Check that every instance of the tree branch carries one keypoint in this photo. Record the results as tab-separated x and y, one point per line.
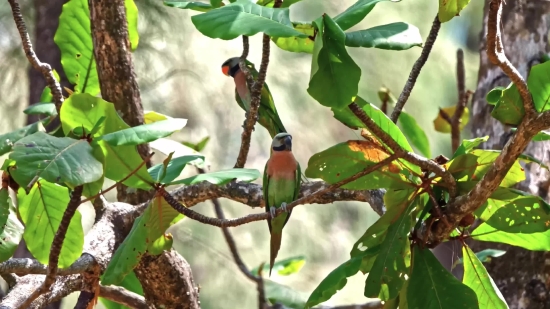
495	53
263	216
256	96
417	67
123	297
43	68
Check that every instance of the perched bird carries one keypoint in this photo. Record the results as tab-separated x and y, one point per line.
281	185
267	113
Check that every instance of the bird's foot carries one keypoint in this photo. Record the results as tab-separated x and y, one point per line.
272	212
283	207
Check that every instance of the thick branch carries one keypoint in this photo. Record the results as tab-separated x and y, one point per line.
263	216
123	297
44	68
404	96
256	95
495	53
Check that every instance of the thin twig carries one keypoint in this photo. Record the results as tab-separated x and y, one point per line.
266	215
404	96
57	244
408	156
102	192
463	97
495	53
262	301
256	94
43	68
122	296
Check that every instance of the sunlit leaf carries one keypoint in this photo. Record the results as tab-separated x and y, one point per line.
11	230
143	133
244	17
509	107
526	215
441	125
41	212
46	95
468	144
431	286
297	44
415	134
394	36
167	146
221	177
284	267
478	279
152	116
450	8
173	168
533	241
539	85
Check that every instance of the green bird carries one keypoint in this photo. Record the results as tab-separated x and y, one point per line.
281	185
267	113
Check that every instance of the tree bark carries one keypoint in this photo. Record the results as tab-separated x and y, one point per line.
166	279
521	275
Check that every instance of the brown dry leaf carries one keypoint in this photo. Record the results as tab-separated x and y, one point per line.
373	151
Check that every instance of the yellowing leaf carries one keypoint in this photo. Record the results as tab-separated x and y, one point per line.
441	125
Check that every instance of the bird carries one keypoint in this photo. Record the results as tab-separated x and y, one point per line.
281	185
267	113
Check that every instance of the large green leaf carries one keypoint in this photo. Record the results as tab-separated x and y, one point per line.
8	139
539	85
11	230
415	134
84	110
74	39
244	17
347	159
469	144
296	44
284	295
144	133
541	137
534	241
450	8
479	280
167	146
355	13
41	211
284	267
526	215
130	283
58	160
221	177
387	274
509	108
47	109
173	168
394	36
191	5
431	286
335	76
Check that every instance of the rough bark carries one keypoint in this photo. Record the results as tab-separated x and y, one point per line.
119	86
521	275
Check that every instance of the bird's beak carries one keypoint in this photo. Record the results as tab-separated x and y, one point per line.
288	142
225	70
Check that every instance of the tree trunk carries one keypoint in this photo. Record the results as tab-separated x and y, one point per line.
521	275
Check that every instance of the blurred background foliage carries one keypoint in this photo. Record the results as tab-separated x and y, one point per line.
179	73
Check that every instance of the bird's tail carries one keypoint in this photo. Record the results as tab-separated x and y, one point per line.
275	246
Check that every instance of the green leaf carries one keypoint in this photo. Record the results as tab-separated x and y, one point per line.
284	267
296	44
7	140
494	95
335	82
468	144
450	8
132	19
46	95
538	84
167	146
431	286
245	18
284	295
478	279
198	146
162	217
41	212
415	134
485	255
526	215
334	282
541	137
57	160
394	36
84	110
533	242
41	109
441	125
173	168
509	108
355	13
144	133
11	230
191	5
130	283
74	39
387	274
221	177
347	159
270	3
